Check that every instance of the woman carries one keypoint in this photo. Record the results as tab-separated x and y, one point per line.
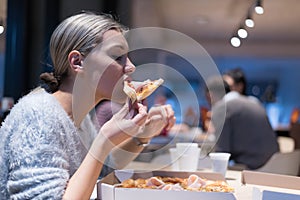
49	148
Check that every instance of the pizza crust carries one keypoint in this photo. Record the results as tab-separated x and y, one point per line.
138	91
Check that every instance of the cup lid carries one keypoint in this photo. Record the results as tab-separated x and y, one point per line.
220	155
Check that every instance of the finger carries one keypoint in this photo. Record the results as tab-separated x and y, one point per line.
164	114
171	123
159	113
135	108
142	115
154	119
170	111
170	117
156	110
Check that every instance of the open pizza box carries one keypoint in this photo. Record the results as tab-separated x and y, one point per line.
107	190
267	186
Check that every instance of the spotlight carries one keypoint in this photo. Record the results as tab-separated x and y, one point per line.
258	8
235	41
242	33
249	22
1	26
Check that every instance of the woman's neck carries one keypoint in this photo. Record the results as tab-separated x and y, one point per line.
76	98
65	100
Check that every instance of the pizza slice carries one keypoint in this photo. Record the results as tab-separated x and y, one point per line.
137	91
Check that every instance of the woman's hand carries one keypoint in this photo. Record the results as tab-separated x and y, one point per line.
159	117
119	129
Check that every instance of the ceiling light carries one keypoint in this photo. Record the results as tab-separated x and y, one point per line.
1	29
1	26
258	8
249	22
235	41
242	33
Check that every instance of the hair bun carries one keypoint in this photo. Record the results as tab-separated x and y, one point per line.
50	80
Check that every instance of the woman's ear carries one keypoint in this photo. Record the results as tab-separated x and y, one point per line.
75	59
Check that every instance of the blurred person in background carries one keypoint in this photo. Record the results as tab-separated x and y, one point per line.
49	146
246	132
104	111
294	131
237	82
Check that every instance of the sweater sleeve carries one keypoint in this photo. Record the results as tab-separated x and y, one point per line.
39	162
39	165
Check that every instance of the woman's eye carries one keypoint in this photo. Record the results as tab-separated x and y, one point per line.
120	59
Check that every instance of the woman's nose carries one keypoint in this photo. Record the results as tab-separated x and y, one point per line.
129	67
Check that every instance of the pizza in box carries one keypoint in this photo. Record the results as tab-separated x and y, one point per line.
191	183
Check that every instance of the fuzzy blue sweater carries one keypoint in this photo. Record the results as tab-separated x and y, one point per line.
40	148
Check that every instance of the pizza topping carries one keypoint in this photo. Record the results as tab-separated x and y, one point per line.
137	91
192	183
175	187
155	181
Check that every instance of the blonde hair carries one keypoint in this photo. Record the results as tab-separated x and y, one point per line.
81	32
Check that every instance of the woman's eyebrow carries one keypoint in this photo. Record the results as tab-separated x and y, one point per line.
123	48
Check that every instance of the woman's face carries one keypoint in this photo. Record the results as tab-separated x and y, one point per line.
108	66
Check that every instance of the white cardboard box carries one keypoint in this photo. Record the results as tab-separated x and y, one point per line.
108	191
267	186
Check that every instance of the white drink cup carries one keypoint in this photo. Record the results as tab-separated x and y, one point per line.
174	159
188	154
219	162
189	161
183	148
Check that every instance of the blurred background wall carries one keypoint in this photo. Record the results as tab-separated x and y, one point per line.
270	56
